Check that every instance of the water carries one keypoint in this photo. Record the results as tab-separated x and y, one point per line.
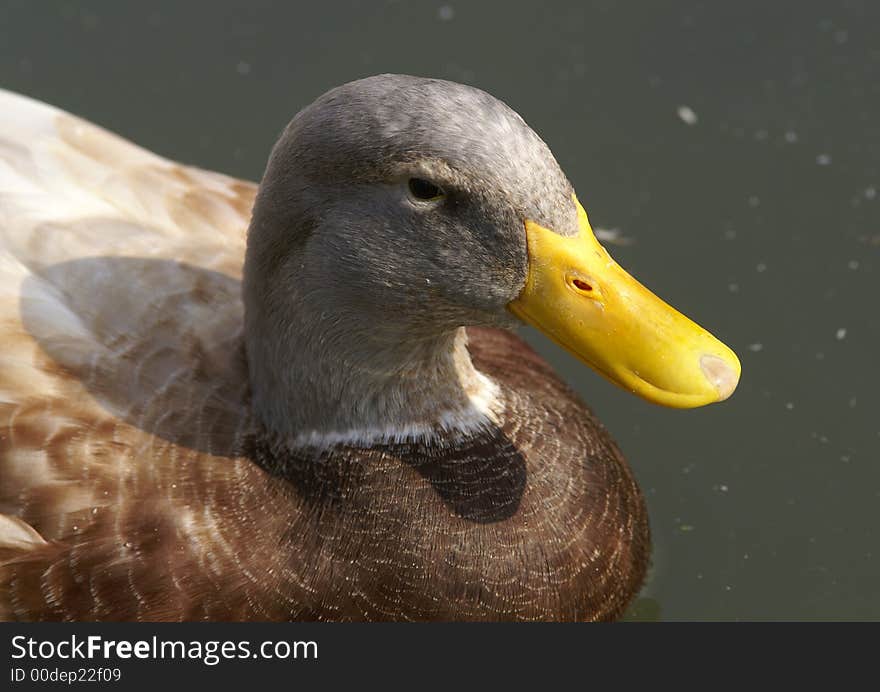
737	144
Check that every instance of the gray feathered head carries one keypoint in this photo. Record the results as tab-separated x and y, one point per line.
398	208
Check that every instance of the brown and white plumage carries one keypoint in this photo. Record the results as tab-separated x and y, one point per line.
136	484
111	259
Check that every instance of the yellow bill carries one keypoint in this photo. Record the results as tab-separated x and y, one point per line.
582	299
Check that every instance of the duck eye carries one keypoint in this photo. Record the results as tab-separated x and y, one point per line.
425	190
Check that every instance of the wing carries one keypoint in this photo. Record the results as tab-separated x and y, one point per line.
120	323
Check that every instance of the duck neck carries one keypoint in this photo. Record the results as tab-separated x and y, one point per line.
368	384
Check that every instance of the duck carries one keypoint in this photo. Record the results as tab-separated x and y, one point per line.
305	399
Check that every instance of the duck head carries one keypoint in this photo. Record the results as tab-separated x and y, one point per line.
394	211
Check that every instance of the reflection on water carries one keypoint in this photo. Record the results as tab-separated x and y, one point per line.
736	145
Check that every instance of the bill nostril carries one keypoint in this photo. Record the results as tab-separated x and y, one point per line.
581	284
721	374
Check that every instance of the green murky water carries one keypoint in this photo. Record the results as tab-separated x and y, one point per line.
736	143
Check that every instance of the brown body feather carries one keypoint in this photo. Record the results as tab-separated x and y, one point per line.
541	520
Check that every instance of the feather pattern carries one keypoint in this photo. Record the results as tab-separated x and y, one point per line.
134	484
